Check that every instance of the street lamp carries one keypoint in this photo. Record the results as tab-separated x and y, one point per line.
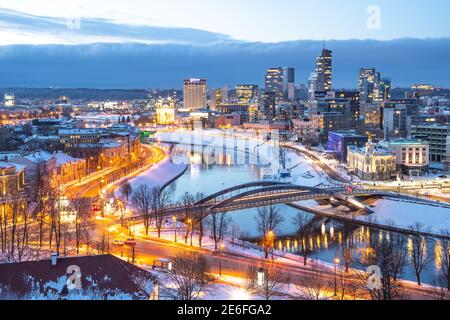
270	241
190	228
174	219
337	261
260	277
221	249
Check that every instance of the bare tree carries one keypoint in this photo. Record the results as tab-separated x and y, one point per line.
440	284
304	234
346	246
444	259
160	201
142	201
218	223
188	277
126	190
268	281
42	192
315	284
380	251
54	214
14	225
417	250
199	218
82	209
268	219
188	201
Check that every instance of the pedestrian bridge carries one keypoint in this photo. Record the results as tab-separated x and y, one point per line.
266	193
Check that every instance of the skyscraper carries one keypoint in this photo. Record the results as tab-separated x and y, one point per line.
372	87
245	93
289	83
194	92
324	71
274	82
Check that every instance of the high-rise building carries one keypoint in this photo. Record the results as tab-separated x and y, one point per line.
383	90
274	82
270	104
367	80
312	86
372	87
245	93
289	83
194	92
324	71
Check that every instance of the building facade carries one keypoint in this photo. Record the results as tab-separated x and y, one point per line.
412	156
437	136
372	162
194	93
324	71
274	83
338	143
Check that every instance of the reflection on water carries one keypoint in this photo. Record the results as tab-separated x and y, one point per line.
207	176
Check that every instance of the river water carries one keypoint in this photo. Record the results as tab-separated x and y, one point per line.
209	173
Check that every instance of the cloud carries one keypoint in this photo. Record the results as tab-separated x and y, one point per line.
130	65
22	28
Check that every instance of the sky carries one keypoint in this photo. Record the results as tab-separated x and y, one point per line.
245	20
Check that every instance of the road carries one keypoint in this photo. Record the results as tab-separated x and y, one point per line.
91	187
148	250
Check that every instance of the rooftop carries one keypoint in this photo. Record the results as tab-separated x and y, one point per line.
102	277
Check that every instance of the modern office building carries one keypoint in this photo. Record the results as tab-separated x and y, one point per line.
353	96
274	83
334	113
437	136
270	104
194	92
245	93
338	142
289	83
324	71
372	86
398	117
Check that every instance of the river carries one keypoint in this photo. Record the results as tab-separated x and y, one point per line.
209	173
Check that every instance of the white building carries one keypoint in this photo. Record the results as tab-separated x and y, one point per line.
413	156
10	100
372	162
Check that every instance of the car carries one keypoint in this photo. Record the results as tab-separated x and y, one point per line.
117	242
130	242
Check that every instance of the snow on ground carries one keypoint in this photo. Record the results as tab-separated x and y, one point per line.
405	214
159	175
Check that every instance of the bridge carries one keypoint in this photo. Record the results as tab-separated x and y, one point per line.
267	193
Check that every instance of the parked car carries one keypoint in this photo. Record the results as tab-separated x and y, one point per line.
117	242
130	242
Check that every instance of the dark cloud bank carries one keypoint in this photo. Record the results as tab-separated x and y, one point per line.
406	61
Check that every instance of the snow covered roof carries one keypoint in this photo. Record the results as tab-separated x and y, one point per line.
6	165
39	157
102	277
62	158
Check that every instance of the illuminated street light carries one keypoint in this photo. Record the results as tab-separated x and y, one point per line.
260	277
337	261
174	219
